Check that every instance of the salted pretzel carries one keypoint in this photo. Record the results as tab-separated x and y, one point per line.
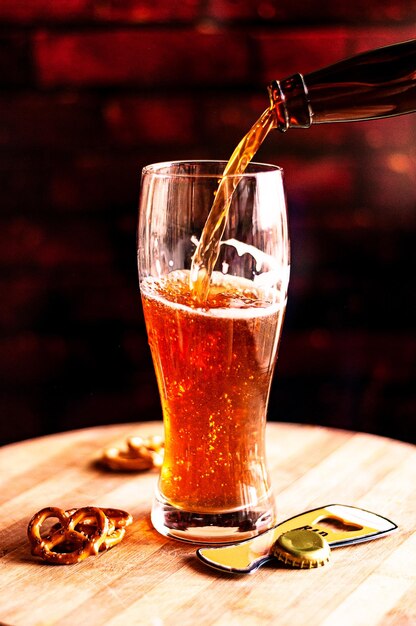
67	545
78	534
118	521
139	455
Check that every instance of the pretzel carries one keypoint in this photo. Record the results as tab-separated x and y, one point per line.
73	545
141	454
118	521
78	533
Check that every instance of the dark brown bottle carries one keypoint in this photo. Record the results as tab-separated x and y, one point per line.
379	83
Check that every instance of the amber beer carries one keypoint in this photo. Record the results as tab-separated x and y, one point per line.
214	367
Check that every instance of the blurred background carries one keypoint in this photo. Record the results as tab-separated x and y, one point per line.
92	90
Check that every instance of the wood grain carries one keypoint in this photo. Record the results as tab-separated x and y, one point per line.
150	580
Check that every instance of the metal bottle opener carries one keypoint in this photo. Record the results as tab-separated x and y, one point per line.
340	525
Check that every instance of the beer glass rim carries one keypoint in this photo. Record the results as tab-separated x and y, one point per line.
170	169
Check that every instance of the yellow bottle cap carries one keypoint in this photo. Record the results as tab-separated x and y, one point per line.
302	548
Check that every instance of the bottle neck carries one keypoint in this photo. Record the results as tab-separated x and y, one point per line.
376	84
290	97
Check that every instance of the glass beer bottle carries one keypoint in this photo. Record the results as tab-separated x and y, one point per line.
375	84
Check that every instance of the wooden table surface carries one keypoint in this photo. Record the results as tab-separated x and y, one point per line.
151	580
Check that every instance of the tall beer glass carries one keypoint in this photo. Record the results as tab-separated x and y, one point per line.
214	360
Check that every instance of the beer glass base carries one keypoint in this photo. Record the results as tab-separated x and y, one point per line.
211	528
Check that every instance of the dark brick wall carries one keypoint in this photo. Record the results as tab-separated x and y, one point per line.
92	90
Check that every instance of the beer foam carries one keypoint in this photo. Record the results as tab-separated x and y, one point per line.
259	256
156	288
276	272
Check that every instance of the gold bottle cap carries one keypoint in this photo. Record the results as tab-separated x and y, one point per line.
302	548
